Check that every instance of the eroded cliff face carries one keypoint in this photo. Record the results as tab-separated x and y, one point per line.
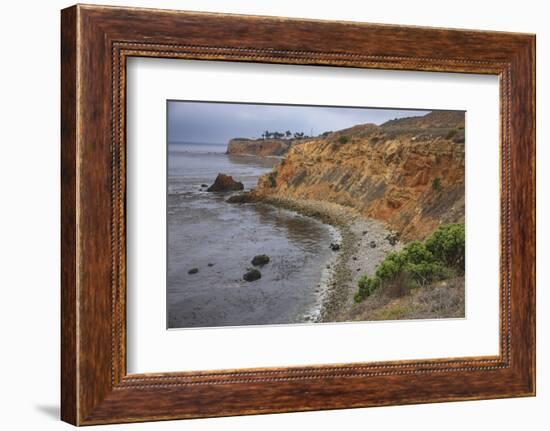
259	147
408	173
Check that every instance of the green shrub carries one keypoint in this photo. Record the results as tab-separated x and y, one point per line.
391	266
363	281
447	244
439	257
366	287
427	272
436	184
416	252
343	139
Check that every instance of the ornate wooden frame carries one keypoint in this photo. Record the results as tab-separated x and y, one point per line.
95	42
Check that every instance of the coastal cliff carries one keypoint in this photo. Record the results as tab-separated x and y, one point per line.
259	147
407	173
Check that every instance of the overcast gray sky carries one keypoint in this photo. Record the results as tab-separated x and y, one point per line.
213	122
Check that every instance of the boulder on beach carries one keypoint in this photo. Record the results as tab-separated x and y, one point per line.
334	246
393	238
225	183
252	275
260	260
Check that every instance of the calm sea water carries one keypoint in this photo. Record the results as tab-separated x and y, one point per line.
204	229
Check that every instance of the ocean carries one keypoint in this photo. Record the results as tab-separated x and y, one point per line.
220	239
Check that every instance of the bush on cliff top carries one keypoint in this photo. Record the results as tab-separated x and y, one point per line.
343	140
440	256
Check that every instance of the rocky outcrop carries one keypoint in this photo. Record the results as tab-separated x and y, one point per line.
259	147
225	183
408	173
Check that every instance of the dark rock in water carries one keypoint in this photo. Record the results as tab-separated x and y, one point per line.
365	232
241	198
372	244
354	257
210	264
252	275
260	260
225	183
334	247
204	185
193	271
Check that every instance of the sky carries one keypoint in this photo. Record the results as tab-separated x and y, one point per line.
217	123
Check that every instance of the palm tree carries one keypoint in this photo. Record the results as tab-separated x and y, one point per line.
288	134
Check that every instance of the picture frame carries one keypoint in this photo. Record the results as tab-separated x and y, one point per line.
96	42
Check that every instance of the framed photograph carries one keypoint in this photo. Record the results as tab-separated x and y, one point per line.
263	214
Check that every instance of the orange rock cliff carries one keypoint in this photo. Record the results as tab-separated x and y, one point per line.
406	172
